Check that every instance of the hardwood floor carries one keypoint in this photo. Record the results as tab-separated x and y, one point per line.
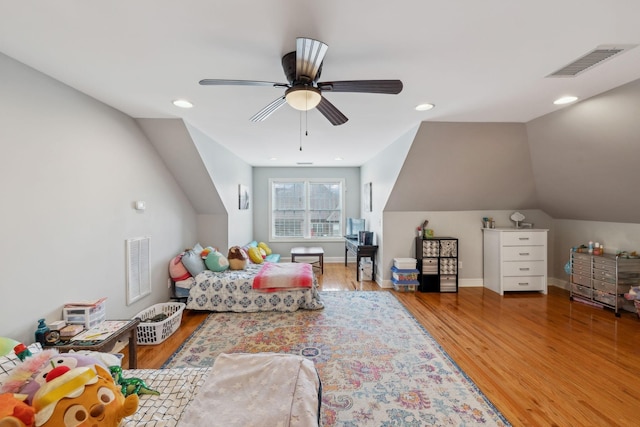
541	359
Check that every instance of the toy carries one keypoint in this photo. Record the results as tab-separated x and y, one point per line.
29	376
216	262
84	397
130	385
265	248
14	412
237	260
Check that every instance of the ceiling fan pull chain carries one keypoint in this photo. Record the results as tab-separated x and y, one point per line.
300	133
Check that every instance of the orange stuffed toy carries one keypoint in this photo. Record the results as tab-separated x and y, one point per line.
14	412
81	397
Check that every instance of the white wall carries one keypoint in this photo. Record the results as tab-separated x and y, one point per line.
382	172
71	169
227	171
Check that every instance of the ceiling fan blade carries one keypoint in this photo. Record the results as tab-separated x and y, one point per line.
268	110
309	56
331	112
223	82
391	87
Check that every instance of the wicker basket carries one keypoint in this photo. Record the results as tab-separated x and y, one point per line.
150	333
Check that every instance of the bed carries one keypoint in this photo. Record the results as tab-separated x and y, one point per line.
226	393
233	290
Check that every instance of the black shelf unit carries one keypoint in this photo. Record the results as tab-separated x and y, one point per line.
437	264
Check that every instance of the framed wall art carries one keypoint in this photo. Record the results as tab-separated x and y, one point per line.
243	197
366	197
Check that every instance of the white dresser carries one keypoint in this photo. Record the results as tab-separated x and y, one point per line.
515	259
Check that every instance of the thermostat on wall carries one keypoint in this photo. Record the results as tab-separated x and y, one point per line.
140	205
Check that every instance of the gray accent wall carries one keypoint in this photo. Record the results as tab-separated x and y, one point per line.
466	166
586	158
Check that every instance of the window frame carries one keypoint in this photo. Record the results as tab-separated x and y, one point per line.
307	222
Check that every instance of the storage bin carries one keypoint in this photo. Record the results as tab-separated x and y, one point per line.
150	333
88	317
405	287
405	263
404	274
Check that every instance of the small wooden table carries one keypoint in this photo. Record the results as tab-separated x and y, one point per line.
301	251
360	251
130	329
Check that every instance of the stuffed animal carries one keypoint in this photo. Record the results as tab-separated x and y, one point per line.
14	412
215	261
255	255
32	374
265	248
237	260
131	385
82	396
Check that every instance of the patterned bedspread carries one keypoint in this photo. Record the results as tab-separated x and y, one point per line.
233	291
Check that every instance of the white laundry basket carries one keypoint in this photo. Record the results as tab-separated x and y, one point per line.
150	333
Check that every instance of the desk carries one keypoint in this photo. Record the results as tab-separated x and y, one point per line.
306	252
360	251
130	329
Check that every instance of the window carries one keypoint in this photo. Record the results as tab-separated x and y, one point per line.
306	209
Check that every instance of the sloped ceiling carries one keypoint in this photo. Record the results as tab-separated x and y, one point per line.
586	158
478	61
466	166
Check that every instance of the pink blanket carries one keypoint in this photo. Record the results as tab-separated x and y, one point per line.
275	276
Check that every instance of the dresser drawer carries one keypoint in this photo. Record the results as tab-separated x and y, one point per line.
525	283
524	238
604	275
581	280
581	290
524	253
524	268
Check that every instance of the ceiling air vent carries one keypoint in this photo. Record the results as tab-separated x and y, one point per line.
591	59
304	163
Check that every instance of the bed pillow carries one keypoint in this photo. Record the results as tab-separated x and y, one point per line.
193	262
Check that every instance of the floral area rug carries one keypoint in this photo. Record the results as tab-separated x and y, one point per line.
377	364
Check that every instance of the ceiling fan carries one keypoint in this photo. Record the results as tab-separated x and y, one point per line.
304	92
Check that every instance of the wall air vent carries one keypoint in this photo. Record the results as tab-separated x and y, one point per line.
591	59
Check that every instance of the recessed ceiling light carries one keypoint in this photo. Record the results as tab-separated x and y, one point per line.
565	100
273	158
338	159
182	103
424	107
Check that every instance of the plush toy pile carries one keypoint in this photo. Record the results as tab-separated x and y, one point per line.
49	390
194	261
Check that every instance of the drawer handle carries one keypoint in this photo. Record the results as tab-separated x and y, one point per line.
524	269
524	253
523	283
523	238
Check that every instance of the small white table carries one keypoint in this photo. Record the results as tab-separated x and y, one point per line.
316	251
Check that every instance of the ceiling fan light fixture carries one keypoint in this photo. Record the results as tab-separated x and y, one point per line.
303	98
